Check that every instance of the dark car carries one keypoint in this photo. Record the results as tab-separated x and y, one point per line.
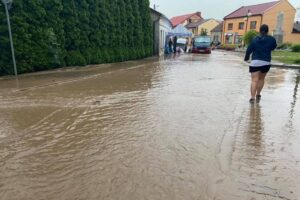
202	44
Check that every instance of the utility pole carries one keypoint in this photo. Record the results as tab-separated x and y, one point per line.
7	5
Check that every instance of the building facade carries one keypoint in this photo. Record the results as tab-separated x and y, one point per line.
278	15
217	33
161	27
186	19
205	25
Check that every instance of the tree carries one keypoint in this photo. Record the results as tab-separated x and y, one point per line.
249	36
203	32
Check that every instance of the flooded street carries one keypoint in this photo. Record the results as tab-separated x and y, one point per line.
170	129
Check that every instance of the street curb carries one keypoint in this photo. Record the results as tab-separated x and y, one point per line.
279	65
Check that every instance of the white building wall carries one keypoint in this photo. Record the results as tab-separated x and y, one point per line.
165	27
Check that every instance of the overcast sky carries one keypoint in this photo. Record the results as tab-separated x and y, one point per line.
210	8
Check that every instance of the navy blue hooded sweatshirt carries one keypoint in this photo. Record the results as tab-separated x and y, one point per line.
261	48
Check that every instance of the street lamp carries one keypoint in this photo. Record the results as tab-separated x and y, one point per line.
249	14
7	5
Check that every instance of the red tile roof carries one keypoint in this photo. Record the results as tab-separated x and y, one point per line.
258	9
179	19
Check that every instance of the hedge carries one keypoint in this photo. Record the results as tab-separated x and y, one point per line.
55	33
296	48
228	47
284	46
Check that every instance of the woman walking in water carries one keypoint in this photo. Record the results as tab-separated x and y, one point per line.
261	48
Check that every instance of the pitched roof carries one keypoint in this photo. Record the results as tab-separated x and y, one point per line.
296	28
196	24
179	19
218	28
161	15
257	9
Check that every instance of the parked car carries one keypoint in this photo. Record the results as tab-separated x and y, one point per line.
182	43
201	44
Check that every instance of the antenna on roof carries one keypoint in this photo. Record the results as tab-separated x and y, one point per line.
155	6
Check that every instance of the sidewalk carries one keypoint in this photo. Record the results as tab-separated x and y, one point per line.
241	52
284	65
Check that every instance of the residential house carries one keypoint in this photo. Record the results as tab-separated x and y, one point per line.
205	25
216	33
161	27
186	19
278	15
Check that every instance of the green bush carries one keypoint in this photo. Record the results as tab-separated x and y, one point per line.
228	47
249	36
284	46
296	48
203	32
297	61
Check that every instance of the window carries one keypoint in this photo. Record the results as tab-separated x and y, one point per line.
238	39
241	25
216	39
202	40
230	26
280	22
229	39
193	31
161	36
163	39
253	24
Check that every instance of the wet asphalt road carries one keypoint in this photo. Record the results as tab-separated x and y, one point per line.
180	128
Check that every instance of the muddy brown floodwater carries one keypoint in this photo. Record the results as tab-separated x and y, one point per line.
170	129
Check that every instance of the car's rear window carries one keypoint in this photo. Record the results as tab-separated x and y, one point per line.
202	40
